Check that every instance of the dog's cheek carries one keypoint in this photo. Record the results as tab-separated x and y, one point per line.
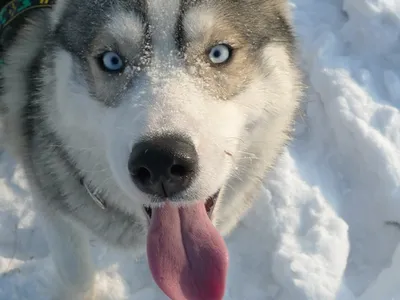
122	128
117	158
221	140
117	140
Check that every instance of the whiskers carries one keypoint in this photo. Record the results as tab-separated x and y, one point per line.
228	153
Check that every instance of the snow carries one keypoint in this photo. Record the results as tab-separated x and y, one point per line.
327	224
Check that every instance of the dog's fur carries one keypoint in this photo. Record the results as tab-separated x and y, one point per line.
67	121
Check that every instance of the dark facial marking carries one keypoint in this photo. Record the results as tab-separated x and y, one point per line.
81	22
80	31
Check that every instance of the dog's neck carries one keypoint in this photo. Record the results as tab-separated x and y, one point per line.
13	15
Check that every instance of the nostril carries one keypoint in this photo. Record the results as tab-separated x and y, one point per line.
178	170
143	175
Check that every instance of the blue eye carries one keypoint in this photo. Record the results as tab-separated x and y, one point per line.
111	62
220	54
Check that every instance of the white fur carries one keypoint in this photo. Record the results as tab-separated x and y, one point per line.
71	255
198	21
126	25
164	99
15	87
280	88
100	139
57	12
162	17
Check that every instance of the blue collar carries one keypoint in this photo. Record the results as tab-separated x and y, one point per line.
12	15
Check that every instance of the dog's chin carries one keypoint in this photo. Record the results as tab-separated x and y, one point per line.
209	205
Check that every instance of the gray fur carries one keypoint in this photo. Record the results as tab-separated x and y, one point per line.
57	158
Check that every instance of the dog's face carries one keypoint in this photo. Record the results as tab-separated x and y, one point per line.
159	99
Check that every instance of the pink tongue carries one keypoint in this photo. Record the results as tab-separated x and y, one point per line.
187	256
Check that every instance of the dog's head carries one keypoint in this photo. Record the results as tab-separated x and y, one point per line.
174	99
179	106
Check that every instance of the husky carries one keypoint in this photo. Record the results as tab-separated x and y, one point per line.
148	123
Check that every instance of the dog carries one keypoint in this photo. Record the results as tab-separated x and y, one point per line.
148	123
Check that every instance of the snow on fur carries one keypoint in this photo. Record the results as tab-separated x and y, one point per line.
325	224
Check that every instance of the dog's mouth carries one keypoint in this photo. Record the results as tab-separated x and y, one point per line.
208	205
187	256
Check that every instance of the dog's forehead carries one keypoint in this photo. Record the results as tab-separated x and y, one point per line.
80	22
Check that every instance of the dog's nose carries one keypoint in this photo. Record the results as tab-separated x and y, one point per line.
163	166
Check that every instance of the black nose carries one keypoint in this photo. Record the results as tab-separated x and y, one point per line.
163	166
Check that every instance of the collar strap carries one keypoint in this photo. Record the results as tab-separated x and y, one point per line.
11	10
10	13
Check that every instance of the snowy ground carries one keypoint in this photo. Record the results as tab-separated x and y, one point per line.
328	221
